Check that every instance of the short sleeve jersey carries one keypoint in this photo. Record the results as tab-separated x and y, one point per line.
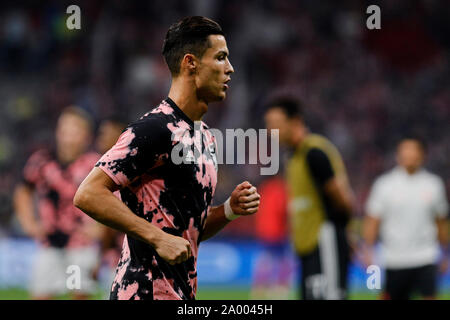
56	185
408	205
171	194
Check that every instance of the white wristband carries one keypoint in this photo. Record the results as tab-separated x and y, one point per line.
228	212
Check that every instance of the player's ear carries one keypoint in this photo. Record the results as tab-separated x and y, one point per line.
189	63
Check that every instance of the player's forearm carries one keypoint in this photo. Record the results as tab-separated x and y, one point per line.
370	231
346	199
349	199
344	203
442	233
244	200
23	207
341	195
101	205
215	222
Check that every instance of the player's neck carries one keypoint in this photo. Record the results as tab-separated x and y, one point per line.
65	158
411	170
183	93
298	136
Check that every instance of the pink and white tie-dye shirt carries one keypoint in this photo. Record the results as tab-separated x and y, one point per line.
171	195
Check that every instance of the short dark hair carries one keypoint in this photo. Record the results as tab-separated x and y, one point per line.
290	105
190	35
80	113
116	119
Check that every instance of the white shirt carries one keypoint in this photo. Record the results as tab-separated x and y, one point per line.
407	206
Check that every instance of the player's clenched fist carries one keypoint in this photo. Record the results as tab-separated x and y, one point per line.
173	249
244	199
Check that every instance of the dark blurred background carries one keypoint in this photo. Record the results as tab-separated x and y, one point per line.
362	88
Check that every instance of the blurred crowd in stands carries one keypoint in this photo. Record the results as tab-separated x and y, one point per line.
364	89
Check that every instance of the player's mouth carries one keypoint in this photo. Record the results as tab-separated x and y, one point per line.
225	84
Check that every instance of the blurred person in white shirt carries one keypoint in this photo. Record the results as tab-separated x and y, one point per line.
407	210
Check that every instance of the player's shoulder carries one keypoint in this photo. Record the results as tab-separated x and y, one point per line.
431	177
162	110
37	160
316	139
321	147
41	155
386	177
90	157
159	113
163	118
152	122
315	154
204	126
165	111
320	142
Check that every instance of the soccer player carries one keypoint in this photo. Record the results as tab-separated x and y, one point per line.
320	202
407	208
65	235
166	210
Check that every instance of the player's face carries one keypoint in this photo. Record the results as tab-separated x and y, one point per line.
276	118
410	155
108	133
214	70
72	135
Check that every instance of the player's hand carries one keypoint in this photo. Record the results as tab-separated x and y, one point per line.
443	265
173	249
35	231
96	271
91	231
244	199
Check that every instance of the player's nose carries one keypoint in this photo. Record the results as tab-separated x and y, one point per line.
229	70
